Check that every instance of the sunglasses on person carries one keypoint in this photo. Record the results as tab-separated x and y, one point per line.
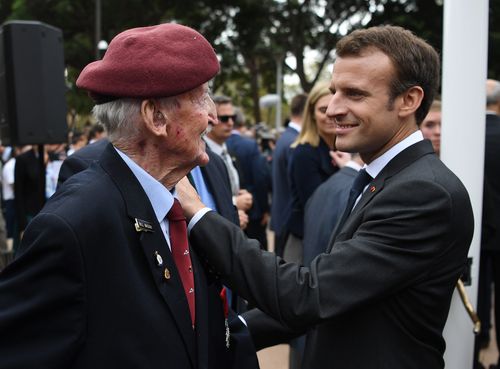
225	118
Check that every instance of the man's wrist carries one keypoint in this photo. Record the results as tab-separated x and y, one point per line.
196	217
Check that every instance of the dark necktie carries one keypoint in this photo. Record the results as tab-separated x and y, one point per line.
360	182
180	253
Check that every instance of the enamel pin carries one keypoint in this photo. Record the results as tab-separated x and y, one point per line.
143	226
159	260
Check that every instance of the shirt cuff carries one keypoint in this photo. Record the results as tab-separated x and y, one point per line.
199	214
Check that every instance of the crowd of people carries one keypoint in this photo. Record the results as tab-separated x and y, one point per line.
28	182
105	270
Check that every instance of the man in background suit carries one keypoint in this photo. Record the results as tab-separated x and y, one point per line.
489	270
105	276
29	189
379	296
253	174
281	200
326	205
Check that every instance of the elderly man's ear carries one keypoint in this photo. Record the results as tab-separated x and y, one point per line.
153	118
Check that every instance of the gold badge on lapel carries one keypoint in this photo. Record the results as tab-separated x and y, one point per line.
143	226
166	274
373	189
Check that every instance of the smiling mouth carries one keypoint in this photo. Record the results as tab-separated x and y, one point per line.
345	126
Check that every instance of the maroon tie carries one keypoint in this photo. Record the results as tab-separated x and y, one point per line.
180	252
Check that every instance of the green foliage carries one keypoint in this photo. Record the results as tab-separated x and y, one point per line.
250	36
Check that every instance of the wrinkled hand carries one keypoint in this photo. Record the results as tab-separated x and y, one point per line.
243	219
188	197
244	200
339	158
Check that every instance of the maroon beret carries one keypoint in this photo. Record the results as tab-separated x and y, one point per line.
158	61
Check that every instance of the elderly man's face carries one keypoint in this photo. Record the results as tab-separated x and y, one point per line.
188	122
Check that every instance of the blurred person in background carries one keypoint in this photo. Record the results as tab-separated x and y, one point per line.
310	164
281	198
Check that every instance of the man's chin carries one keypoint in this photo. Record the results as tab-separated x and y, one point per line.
202	159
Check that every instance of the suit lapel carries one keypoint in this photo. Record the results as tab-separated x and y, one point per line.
400	161
153	244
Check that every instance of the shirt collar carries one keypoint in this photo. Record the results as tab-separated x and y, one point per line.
160	197
352	164
295	126
376	166
214	146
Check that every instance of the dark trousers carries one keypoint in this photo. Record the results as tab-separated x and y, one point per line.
257	231
280	242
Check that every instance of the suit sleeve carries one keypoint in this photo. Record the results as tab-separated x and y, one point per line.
267	331
396	244
42	300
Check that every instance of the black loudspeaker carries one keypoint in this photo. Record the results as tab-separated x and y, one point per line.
32	84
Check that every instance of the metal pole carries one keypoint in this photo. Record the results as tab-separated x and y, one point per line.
279	88
97	28
462	148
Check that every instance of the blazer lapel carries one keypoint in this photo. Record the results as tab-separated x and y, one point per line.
153	243
400	161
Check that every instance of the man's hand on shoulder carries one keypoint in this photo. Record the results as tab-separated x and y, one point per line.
188	197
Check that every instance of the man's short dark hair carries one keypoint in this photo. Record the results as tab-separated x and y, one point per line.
222	99
415	61
298	104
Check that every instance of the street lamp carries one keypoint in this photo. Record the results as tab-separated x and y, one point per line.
102	46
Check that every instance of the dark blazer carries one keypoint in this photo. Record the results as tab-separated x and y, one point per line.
308	168
29	192
491	197
254	173
323	209
379	297
87	289
281	205
214	174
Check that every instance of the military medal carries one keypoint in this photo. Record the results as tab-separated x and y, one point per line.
143	226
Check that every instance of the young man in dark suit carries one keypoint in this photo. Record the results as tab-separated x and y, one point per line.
380	294
105	277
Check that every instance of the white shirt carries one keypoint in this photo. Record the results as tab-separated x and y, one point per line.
295	126
376	166
8	179
223	153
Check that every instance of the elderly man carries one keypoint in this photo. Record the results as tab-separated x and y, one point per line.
105	277
380	294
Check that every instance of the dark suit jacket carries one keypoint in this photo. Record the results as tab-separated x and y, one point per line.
281	205
379	297
308	168
254	173
491	197
87	290
323	210
214	174
29	191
